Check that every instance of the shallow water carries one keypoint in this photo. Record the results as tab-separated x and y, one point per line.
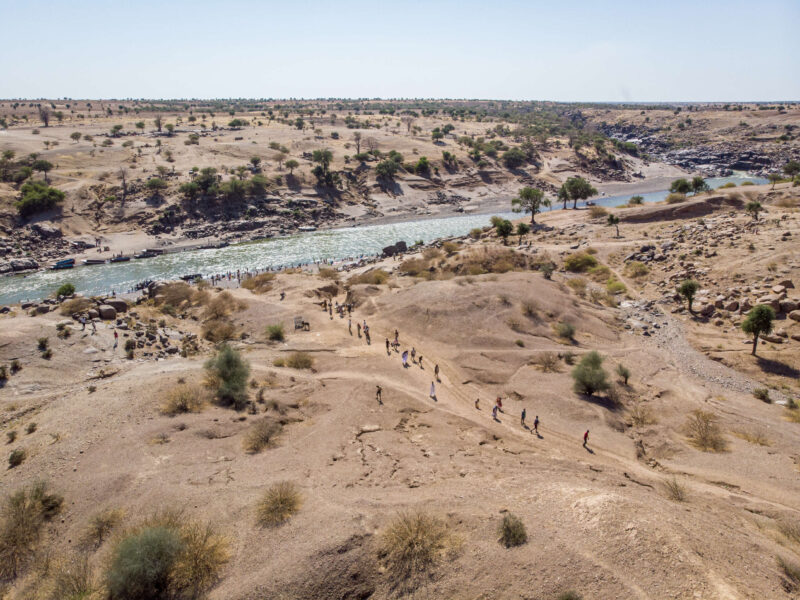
333	244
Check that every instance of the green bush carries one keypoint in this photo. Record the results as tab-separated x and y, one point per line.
579	262
142	563
762	394
512	531
42	343
16	458
565	330
675	198
275	332
589	376
227	375
66	289
37	197
624	373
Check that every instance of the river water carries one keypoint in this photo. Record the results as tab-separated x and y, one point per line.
333	244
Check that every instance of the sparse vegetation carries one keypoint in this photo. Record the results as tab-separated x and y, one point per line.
512	531
565	330
579	262
101	525
411	545
758	322
704	432
227	374
183	398
261	434
589	376
547	361
16	458
259	284
280	502
275	332
762	394
624	373
299	360
688	288
674	490
66	289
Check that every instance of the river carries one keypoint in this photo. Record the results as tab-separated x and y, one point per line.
334	244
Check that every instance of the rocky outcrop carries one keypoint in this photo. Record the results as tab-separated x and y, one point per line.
684	210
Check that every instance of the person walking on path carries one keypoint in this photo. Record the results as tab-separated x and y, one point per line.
433	391
405	358
413	354
379	394
536	424
494	413
83	323
420	362
477	403
94	327
436	371
499	404
396	336
585	438
522	418
350	326
388	351
116	339
359	329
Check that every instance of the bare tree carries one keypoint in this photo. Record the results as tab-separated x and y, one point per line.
44	115
123	175
158	122
408	121
279	157
371	143
357	140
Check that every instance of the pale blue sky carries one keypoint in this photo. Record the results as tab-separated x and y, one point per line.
566	50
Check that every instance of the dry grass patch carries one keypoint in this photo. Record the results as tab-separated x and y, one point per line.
597	212
704	432
280	502
639	415
413	544
636	269
579	262
24	515
328	273
752	436
183	398
218	330
674	490
76	305
373	277
259	284
101	525
299	360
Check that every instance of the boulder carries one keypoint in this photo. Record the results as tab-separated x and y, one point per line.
771	300
774	339
93	314
46	231
719	302
732	306
397	248
788	306
119	305
706	310
23	264
795	315
786	283
107	312
42	309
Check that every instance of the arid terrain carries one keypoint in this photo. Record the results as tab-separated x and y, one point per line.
688	487
139	174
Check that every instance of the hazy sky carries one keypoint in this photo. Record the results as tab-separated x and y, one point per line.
643	50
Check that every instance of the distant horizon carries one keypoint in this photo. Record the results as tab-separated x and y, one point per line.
388	99
578	51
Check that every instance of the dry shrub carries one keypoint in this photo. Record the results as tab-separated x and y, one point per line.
218	330
515	325
220	306
101	525
530	310
674	490
675	198
565	330
704	432
259	284
640	415
328	273
76	305
792	414
181	558
512	531
790	568
636	269
597	212
299	360
275	332
177	294
450	248
762	394
261	435
372	277
411	545
752	436
788	202
183	398
578	285
431	253
492	260
547	362
280	502
24	514
579	262
414	266
790	530
72	579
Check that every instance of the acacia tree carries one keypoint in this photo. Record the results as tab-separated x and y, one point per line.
123	176
371	143
291	164
563	195
44	115
357	141
76	136
579	189
504	229
522	230
758	322
773	179
753	208
42	166
531	201
699	185
792	168
140	125
613	220
688	289
408	121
